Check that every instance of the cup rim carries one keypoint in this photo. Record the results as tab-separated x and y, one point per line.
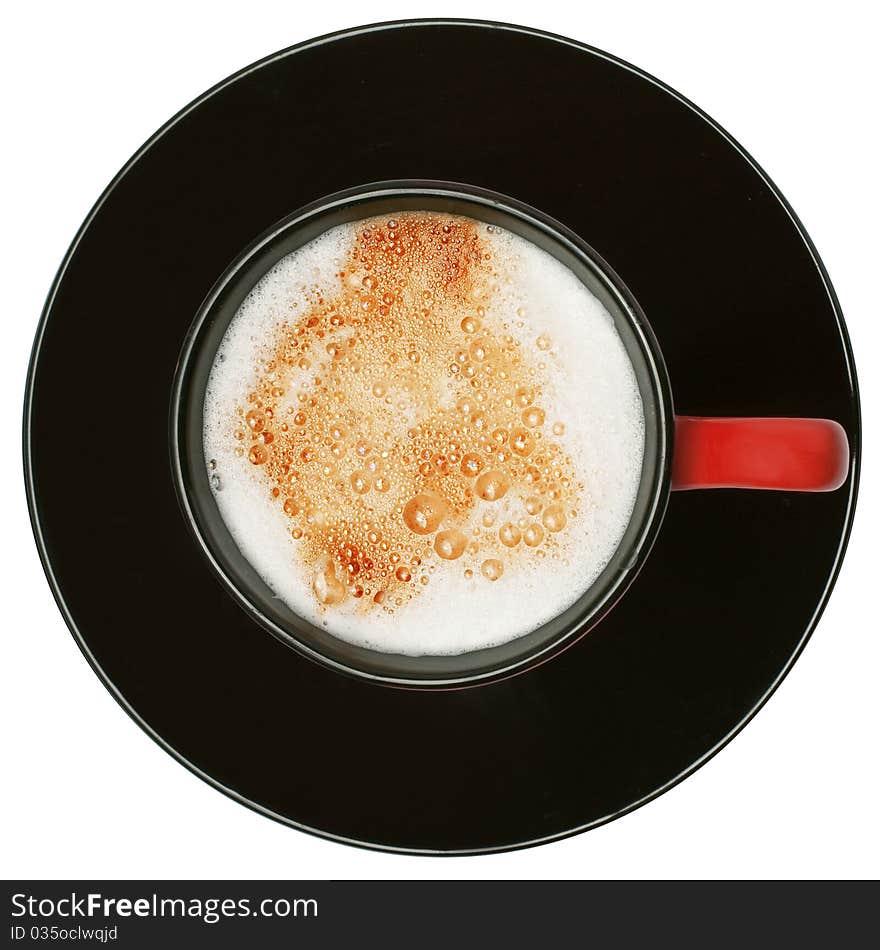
643	534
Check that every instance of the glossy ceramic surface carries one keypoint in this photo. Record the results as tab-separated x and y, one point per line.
748	325
198	499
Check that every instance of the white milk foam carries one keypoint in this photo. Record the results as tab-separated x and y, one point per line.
590	386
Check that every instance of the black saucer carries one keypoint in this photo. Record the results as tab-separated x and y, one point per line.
744	314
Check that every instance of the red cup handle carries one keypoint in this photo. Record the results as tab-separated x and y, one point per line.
784	454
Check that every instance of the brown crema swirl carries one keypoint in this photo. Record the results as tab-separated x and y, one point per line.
390	416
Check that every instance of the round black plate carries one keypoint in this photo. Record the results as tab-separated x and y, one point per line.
746	319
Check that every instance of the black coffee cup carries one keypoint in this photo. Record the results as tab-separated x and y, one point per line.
780	454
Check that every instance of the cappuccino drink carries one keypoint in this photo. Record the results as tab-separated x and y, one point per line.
424	433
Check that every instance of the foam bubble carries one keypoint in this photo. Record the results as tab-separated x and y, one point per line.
508	426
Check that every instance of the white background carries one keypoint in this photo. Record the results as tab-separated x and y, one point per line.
87	794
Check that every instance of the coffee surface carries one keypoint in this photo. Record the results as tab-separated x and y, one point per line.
424	433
